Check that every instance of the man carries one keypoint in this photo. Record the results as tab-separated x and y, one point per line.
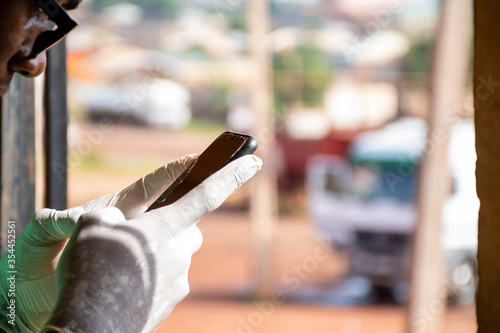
123	270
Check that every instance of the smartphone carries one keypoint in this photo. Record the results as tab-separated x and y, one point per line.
226	148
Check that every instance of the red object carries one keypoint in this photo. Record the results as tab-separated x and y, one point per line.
296	153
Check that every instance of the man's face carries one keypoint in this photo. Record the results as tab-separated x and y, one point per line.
21	22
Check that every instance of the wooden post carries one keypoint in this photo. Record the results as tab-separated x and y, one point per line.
17	144
56	123
427	294
487	122
264	192
17	167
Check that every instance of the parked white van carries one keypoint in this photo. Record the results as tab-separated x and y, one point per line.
365	204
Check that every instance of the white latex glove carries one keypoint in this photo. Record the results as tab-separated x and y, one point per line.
126	275
40	244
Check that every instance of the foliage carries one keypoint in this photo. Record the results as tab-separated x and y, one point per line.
419	57
196	51
237	20
301	76
158	8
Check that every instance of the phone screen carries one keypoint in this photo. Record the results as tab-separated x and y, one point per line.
226	148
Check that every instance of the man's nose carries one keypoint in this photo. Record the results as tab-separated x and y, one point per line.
28	66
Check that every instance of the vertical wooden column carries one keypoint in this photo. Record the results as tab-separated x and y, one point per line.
17	170
487	121
17	145
56	122
451	58
264	193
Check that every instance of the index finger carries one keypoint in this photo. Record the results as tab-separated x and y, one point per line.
209	195
134	199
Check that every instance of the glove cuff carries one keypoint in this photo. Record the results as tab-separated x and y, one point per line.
53	329
4	319
9	319
38	297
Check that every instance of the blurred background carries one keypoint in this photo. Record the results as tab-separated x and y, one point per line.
348	101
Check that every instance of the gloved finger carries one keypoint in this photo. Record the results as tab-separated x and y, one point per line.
207	196
49	226
134	199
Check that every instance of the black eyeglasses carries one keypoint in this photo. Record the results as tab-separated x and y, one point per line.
63	25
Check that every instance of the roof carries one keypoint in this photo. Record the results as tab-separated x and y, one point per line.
403	139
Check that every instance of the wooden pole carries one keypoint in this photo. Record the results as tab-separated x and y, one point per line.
487	122
56	123
263	199
427	292
17	159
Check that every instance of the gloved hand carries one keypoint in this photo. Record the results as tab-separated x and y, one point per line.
122	274
40	244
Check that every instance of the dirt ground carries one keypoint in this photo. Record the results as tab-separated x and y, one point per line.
221	275
223	272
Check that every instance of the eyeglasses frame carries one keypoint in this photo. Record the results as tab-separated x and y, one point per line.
49	38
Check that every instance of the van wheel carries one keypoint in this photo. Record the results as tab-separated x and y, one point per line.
463	282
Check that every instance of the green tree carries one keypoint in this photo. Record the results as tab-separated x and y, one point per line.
301	76
419	57
159	8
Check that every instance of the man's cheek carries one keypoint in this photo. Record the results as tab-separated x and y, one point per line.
14	39
9	44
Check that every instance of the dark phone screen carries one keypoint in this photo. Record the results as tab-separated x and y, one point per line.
217	155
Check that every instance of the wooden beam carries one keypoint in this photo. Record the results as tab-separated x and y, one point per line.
56	122
487	121
17	167
451	59
264	192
